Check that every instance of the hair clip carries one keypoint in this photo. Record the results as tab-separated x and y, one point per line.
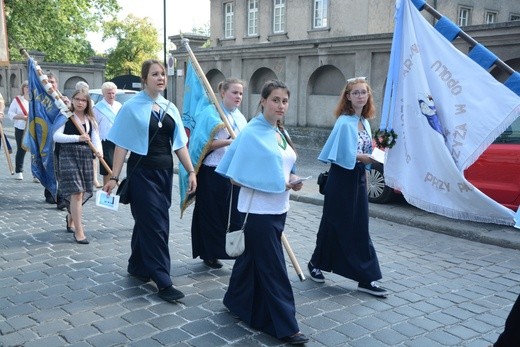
356	78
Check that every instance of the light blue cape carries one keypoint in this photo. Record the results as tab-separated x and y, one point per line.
130	129
253	159
341	146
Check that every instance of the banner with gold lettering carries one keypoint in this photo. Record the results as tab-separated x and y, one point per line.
44	118
4	51
445	110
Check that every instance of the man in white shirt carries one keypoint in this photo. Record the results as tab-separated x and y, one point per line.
105	112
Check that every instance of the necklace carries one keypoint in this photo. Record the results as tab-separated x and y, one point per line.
159	115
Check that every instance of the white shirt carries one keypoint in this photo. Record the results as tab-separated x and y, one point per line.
61	137
104	122
15	109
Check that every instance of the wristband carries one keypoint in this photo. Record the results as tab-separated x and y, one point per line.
114	178
191	171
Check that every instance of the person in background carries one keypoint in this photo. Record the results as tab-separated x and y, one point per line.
61	204
261	160
19	112
74	161
210	215
105	112
84	85
149	126
2	107
343	244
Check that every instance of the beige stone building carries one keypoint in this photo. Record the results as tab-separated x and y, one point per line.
315	46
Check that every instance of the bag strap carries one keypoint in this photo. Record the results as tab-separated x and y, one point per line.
230	206
149	143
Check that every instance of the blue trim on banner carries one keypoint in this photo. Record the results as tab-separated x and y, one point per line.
482	56
447	28
513	83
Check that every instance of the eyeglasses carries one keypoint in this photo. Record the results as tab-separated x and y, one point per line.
359	93
356	78
80	100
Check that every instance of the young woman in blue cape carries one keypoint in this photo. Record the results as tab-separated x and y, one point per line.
343	243
150	127
260	161
210	214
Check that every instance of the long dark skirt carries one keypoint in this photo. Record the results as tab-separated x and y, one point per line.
259	291
511	334
343	243
210	215
150	200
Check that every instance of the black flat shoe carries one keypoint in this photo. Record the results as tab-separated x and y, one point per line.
170	294
81	242
296	339
69	229
213	263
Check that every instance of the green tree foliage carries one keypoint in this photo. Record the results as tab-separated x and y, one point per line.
57	28
137	40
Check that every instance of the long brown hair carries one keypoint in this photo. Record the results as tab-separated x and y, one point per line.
344	105
88	109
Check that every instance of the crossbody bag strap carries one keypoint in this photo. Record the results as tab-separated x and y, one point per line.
230	206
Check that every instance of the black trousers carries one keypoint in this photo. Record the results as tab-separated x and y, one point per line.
20	152
511	335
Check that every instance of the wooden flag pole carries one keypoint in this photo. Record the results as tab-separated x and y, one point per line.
8	156
215	102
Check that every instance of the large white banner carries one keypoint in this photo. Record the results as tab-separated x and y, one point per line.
446	110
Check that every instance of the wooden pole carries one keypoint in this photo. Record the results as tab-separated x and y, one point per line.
215	102
8	156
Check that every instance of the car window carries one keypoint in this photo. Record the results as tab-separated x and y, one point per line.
511	134
122	98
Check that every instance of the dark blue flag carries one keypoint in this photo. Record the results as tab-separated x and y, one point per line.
44	118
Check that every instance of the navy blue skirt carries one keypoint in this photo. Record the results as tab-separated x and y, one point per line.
210	215
343	243
150	200
259	291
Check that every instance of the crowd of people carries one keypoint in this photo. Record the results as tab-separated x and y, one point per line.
246	175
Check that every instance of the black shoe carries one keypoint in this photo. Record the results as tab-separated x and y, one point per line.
170	294
213	263
62	205
140	278
81	242
315	273
69	229
50	200
372	289
296	339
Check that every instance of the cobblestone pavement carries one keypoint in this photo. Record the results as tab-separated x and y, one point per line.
445	291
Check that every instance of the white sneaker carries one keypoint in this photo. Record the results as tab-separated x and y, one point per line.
18	176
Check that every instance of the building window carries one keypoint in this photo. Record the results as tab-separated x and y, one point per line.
279	16
320	12
252	17
464	16
228	20
514	16
490	17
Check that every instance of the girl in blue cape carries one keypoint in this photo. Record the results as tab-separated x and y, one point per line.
260	160
210	214
343	243
149	126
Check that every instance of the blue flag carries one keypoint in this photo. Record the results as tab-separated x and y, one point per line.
44	118
201	122
446	110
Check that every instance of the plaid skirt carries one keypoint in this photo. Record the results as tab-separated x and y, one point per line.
75	171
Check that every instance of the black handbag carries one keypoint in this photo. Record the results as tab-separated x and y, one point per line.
123	192
322	181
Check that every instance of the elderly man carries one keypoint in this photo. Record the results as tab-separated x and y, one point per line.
105	112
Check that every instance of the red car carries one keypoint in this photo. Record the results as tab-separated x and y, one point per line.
496	172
